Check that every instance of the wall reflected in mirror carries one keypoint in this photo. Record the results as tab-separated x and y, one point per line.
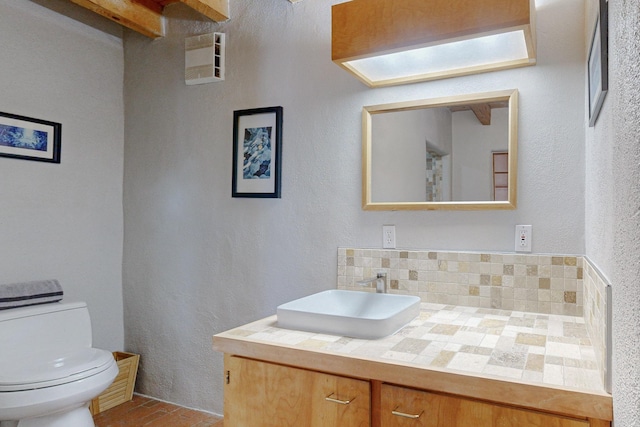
446	153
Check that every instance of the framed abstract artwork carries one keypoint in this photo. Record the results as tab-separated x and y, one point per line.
29	139
257	152
598	64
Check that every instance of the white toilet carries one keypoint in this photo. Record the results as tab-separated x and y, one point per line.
48	370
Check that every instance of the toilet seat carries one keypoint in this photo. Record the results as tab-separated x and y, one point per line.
42	371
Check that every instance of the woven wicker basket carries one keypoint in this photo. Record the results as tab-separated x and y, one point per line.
121	390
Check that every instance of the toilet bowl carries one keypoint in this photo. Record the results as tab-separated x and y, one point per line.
49	373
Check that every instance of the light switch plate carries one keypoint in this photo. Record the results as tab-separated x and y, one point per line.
523	238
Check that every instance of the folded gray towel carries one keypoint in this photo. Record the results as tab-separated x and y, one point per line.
29	293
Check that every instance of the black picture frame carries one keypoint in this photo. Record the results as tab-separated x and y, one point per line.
27	138
598	63
257	152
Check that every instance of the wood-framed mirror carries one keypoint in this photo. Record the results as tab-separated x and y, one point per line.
451	153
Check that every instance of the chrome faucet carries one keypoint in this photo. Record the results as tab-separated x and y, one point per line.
381	282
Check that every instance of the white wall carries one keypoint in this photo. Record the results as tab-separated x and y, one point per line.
613	197
473	143
398	155
198	261
65	221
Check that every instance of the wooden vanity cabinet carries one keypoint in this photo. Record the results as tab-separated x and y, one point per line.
265	394
275	384
260	394
403	407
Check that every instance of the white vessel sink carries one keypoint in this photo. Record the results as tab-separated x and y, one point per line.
349	313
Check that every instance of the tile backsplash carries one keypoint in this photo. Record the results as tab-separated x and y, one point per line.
550	284
597	316
566	285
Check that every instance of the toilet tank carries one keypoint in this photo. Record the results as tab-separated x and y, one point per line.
50	328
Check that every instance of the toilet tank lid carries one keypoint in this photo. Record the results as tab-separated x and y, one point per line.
37	310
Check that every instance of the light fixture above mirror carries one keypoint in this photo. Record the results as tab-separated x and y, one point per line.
452	153
390	42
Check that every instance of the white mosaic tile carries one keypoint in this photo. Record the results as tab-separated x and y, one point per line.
579	379
452	347
490	341
468	362
467	338
553	374
396	355
503	371
563	350
533	376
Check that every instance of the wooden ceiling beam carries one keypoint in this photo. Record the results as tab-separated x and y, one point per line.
482	112
136	15
145	16
216	10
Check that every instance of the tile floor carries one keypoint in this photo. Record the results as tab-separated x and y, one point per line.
143	411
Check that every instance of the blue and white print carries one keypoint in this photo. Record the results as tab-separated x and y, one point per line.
25	138
257	153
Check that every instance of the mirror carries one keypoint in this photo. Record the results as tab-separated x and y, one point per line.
455	153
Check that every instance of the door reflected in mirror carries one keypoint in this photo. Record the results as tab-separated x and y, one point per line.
456	152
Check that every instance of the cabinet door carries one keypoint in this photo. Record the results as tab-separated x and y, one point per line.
260	394
404	407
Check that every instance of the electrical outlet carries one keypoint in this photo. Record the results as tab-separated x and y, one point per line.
523	238
388	236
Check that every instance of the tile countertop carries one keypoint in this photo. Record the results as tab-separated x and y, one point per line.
549	351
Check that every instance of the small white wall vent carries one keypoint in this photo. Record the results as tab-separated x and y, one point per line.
204	58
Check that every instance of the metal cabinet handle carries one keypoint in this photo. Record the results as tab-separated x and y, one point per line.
402	414
335	400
